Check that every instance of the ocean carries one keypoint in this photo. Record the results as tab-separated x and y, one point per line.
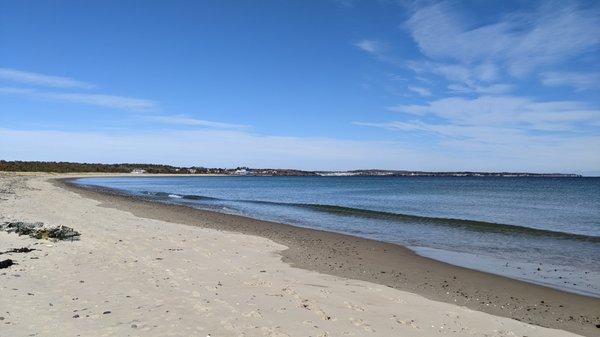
540	230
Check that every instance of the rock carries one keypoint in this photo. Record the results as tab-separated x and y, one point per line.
21	228
38	231
62	233
6	263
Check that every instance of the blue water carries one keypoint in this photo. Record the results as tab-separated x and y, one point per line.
542	230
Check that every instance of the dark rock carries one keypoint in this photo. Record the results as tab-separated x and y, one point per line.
6	263
38	231
21	228
58	233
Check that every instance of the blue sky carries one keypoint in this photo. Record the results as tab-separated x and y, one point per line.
471	85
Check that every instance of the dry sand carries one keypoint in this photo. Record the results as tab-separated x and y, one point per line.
134	276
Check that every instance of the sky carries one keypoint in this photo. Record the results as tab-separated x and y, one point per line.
308	84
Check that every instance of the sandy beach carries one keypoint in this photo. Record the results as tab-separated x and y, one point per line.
148	269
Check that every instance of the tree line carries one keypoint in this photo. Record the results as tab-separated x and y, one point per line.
70	167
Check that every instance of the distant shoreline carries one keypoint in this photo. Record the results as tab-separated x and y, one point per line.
387	264
141	168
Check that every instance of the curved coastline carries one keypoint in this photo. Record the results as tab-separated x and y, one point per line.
383	263
477	225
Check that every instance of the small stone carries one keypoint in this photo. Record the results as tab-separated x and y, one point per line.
106	312
6	263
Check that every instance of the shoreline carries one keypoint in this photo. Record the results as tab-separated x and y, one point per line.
387	264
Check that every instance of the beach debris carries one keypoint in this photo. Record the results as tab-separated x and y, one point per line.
39	231
59	233
21	228
6	263
18	250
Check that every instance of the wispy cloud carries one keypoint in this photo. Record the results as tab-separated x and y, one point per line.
373	47
505	111
110	101
190	121
420	90
37	79
521	42
228	148
458	73
206	147
493	89
578	80
481	61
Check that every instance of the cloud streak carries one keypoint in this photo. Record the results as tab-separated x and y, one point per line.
510	111
37	79
420	90
190	121
109	101
227	148
373	47
207	147
577	80
522	41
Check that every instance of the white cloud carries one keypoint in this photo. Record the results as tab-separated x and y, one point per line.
371	46
578	80
110	101
184	120
16	91
26	77
463	74
420	90
208	147
506	148
512	111
493	89
522	41
490	151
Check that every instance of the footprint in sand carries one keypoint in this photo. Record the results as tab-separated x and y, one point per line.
411	323
272	332
353	306
253	314
361	324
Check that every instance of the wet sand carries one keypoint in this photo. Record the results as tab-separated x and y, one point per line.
382	263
